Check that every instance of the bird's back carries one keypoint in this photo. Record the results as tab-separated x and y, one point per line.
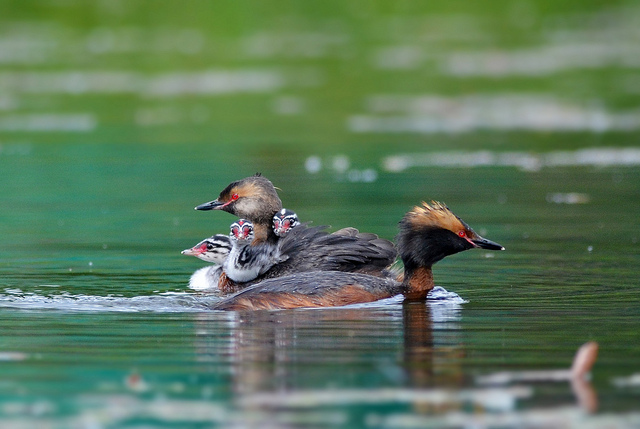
307	248
311	289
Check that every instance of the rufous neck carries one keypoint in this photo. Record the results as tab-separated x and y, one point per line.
417	283
263	234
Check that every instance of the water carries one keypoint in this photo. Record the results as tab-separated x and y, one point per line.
100	330
115	122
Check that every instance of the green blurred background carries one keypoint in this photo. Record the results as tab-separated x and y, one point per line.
458	74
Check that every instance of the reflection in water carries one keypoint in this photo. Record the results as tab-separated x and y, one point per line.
264	344
268	348
273	357
418	344
400	364
578	377
273	376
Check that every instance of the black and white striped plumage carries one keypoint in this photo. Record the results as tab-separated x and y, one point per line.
283	221
214	249
246	261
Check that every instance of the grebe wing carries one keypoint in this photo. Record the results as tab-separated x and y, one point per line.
311	289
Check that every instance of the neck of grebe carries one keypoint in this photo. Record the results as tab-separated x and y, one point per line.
417	282
263	234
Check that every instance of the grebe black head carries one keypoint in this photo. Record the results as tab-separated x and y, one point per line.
429	233
214	249
283	221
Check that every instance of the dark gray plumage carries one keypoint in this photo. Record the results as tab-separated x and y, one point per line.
306	248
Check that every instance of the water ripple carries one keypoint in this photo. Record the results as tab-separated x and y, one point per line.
445	305
162	303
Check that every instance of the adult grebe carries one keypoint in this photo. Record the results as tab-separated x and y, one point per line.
428	233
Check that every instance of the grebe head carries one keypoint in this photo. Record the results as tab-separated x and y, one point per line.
429	233
254	198
241	232
214	249
283	221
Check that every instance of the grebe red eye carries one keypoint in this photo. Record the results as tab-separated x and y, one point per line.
462	233
234	197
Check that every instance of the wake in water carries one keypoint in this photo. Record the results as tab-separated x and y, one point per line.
171	302
444	305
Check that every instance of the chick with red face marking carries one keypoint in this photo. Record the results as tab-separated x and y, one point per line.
428	233
214	249
245	264
284	221
247	261
241	233
228	252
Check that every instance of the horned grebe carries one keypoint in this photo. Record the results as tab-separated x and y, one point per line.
428	233
255	198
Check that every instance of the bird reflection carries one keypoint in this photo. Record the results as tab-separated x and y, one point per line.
299	362
418	344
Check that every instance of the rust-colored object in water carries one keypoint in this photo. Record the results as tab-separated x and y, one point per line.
584	359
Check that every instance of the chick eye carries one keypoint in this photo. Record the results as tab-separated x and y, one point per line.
209	246
234	197
462	233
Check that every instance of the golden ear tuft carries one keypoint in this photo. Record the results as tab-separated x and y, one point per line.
434	210
435	215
